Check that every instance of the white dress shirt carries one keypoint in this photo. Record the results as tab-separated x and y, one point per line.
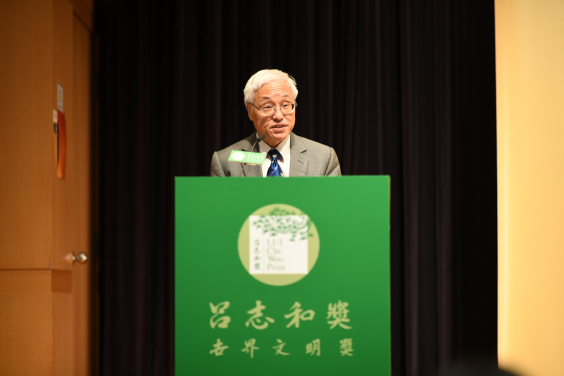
283	156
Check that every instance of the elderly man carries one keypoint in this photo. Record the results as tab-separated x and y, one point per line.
270	98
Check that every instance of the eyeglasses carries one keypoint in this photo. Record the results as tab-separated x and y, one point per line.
270	110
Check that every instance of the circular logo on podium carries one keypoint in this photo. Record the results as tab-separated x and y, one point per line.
278	244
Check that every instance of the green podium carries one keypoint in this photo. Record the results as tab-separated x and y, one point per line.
287	276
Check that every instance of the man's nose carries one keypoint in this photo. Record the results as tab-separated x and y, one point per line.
278	113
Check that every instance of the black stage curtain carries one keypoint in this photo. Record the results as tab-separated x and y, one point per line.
404	88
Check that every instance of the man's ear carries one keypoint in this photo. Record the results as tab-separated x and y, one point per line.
249	109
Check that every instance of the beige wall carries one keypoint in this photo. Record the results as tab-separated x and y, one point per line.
530	105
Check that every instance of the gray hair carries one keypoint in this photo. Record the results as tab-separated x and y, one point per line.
265	76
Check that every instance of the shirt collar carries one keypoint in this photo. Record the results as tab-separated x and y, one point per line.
283	147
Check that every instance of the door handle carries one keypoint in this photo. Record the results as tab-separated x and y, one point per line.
81	258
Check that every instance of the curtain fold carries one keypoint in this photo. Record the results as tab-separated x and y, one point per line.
403	88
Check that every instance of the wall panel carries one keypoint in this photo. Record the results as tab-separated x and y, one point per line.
530	93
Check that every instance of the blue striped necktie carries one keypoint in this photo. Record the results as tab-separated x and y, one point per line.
274	170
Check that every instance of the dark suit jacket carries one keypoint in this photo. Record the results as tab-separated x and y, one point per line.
307	158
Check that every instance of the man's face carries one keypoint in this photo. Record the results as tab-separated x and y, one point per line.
278	126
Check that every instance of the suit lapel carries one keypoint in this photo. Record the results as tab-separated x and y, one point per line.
298	156
251	170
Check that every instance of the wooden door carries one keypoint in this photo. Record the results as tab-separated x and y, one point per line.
47	325
85	358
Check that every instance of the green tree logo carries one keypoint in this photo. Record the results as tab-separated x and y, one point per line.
281	221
